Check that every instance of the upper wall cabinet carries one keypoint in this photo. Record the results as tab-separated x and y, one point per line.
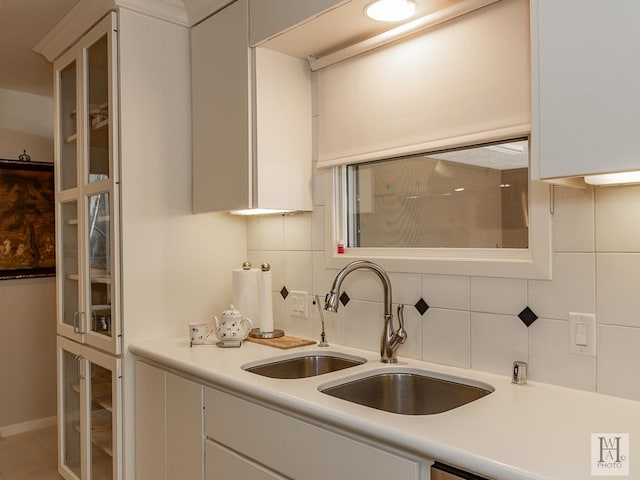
585	82
251	120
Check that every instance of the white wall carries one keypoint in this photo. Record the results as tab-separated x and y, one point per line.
28	318
26	112
27	350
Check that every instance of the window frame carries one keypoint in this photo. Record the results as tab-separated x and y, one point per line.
533	262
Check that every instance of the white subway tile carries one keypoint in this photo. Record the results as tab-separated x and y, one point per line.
412	347
322	276
333	325
271	233
363	285
321	176
362	324
497	341
254	237
571	289
446	337
618	277
573	220
618	360
278	311
317	229
275	260
617	220
297	231
446	291
298	271
498	295
406	288
550	360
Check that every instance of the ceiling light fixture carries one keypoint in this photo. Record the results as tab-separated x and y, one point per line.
390	10
610	179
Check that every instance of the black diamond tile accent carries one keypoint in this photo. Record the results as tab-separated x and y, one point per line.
421	306
344	299
284	292
527	316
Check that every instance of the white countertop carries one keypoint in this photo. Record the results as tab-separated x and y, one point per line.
533	431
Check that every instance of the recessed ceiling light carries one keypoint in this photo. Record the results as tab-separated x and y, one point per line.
390	10
460	189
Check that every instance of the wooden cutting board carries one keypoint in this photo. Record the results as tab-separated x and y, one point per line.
284	343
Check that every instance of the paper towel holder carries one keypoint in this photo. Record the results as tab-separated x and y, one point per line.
256	332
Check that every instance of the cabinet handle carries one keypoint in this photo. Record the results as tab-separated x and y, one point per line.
76	322
78	374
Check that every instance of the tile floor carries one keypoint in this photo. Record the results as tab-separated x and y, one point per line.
29	456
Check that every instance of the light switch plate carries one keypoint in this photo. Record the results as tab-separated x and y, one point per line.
298	304
582	334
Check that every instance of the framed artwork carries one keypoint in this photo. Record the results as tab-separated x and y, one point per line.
27	219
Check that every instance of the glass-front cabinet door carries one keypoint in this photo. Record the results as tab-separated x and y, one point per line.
89	431
87	189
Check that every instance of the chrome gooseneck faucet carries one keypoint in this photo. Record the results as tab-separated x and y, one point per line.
391	339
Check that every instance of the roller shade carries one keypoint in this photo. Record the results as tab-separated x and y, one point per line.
462	82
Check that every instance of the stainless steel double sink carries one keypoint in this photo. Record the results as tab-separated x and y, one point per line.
397	390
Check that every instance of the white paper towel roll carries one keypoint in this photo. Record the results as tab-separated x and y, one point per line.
245	294
266	302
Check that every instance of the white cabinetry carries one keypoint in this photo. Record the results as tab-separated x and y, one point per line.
89	433
169	438
123	192
251	120
238	439
584	84
87	194
261	435
223	463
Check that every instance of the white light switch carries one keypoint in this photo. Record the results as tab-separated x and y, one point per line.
582	333
298	304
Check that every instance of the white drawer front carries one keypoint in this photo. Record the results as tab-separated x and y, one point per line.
224	464
294	448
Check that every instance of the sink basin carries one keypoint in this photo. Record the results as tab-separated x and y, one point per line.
407	393
304	366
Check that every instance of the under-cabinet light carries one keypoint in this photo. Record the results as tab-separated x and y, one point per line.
258	211
390	10
611	179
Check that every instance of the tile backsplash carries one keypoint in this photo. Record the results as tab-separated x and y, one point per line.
473	322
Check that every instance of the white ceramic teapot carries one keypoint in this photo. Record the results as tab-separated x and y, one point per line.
233	327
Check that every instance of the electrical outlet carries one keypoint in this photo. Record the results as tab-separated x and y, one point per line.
298	304
582	334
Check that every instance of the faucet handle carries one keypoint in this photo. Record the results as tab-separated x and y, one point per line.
401	333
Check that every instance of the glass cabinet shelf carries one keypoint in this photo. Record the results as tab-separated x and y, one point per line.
101	278
101	395
100	437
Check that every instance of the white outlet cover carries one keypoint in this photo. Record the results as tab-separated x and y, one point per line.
582	330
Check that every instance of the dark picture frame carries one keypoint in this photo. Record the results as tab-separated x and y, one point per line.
27	219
